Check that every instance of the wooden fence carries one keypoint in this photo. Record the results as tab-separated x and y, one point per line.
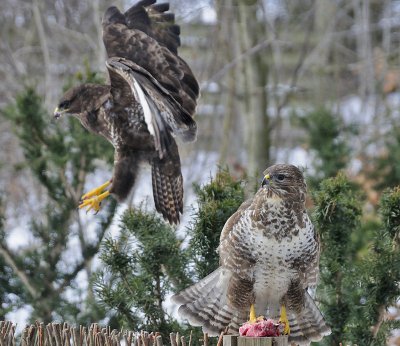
62	334
235	340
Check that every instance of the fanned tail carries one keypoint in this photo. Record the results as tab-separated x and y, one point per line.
309	325
205	304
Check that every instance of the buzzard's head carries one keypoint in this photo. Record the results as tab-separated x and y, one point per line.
82	99
285	181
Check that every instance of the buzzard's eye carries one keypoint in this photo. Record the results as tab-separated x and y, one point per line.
280	177
64	105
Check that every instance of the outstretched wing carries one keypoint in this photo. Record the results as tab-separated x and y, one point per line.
155	20
221	301
162	113
147	35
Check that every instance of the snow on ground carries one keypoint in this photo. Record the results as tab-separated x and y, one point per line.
197	168
20	317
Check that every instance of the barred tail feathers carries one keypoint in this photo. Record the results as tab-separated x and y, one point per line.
309	325
205	304
167	185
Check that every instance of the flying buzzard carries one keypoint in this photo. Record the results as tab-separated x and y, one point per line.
151	99
269	254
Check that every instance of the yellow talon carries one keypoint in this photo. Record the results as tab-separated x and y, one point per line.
283	319
252	318
96	192
93	198
93	202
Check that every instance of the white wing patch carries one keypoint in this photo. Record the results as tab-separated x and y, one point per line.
108	105
139	94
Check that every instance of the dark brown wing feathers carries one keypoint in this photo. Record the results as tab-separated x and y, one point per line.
161	63
183	124
154	20
146	34
142	48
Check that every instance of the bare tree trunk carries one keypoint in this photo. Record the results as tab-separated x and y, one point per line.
324	24
256	125
45	50
227	28
364	50
101	53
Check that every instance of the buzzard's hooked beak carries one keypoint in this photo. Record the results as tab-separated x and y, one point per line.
266	180
59	112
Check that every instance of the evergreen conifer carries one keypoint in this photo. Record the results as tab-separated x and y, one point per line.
60	156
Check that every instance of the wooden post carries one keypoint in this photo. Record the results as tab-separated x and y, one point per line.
236	340
230	340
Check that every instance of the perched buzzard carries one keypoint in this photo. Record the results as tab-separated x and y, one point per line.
269	254
151	99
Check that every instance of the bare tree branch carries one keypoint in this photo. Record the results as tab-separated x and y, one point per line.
8	257
44	46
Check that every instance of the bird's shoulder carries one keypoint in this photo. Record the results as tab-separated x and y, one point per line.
235	218
248	211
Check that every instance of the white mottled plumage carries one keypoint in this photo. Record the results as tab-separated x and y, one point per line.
138	93
269	255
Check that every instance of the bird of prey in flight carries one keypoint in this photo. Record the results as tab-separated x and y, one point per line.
149	101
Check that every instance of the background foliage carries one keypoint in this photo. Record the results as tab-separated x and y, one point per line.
60	157
310	82
217	201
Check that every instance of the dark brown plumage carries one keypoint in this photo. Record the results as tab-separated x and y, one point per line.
269	254
151	98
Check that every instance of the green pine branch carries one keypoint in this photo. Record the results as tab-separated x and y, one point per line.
59	156
217	201
360	263
337	217
141	266
326	137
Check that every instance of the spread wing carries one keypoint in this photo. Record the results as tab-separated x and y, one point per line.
155	20
221	301
131	83
147	35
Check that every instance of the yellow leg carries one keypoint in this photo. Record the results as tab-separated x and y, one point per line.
252	318
93	202
283	319
95	192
